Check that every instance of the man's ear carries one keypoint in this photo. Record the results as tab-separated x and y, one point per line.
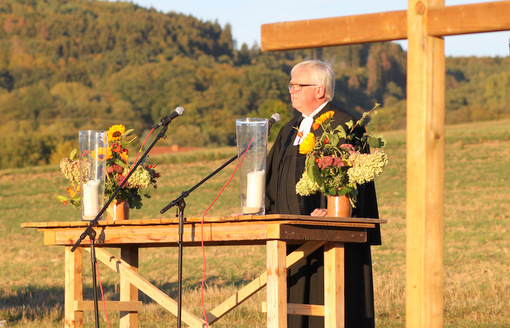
320	92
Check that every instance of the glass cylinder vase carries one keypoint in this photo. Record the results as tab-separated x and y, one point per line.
252	150
93	151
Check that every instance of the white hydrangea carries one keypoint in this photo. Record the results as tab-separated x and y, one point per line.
140	178
71	170
366	167
305	186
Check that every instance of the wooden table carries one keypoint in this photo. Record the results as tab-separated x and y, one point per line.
275	231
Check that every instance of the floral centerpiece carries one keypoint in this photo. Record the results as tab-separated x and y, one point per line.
337	161
117	166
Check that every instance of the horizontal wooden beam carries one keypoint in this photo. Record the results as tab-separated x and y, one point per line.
468	19
386	26
334	31
301	309
135	306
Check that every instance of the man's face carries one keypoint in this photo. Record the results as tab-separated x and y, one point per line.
305	100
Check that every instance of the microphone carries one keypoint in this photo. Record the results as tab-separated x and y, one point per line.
167	119
275	118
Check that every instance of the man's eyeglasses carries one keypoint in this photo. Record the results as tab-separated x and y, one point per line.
298	86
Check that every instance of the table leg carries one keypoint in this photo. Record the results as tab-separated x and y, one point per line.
334	302
73	286
276	284
128	292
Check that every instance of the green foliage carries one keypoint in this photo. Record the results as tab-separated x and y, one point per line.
67	65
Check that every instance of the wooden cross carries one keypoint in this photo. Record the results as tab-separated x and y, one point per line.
424	24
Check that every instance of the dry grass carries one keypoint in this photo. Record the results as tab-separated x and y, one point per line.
477	243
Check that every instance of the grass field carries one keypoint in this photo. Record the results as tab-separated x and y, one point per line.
477	239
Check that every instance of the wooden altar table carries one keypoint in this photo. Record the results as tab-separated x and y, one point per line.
275	231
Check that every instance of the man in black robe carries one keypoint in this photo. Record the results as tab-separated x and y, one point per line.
311	90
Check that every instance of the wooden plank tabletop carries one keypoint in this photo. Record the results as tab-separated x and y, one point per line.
279	218
216	230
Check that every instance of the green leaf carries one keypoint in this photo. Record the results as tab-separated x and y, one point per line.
128	132
127	142
375	142
332	191
121	163
344	190
73	153
334	140
340	131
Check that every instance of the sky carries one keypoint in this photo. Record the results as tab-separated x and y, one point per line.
246	17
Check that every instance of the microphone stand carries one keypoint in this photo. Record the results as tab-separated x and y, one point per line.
182	204
91	233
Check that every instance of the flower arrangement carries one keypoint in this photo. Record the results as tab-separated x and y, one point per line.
117	168
336	161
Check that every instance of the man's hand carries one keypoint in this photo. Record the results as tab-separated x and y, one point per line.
319	212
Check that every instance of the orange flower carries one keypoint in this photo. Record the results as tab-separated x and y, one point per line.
308	144
71	192
124	156
315	125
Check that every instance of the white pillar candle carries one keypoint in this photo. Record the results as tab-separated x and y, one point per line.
91	198
256	187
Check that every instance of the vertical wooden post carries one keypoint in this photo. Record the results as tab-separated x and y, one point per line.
276	284
425	169
128	292
73	287
334	292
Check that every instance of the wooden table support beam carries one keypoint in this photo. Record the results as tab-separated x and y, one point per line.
276	279
73	287
334	293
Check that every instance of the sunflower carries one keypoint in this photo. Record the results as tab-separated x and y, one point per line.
99	153
115	132
324	117
109	153
308	144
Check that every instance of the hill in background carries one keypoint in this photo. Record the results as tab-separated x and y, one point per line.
67	65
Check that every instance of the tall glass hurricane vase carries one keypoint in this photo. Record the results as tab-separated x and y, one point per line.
93	152
252	149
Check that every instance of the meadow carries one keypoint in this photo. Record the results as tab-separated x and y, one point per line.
477	238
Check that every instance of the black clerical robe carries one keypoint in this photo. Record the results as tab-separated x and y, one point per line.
285	166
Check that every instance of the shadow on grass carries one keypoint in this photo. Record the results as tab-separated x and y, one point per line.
33	303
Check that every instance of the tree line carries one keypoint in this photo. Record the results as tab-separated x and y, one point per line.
67	65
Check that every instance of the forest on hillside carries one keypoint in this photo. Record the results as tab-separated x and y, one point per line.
68	65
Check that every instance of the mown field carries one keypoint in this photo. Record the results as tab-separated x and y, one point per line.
477	239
